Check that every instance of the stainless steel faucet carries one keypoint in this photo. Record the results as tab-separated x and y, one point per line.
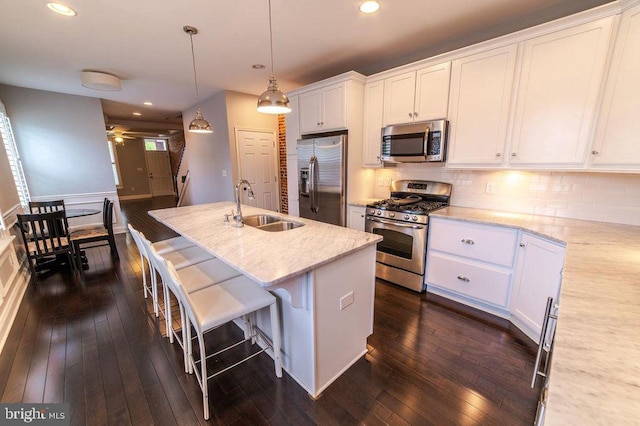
237	215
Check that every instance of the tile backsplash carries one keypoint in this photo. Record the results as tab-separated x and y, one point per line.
603	197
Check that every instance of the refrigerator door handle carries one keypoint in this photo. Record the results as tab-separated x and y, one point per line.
313	182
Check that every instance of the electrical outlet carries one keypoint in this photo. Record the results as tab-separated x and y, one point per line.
490	188
346	300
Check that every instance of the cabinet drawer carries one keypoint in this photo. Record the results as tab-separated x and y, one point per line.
480	282
479	242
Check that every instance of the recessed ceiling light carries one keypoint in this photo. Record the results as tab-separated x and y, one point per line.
147	103
258	66
369	7
137	114
61	8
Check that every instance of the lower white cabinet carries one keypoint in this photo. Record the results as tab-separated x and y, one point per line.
355	218
484	266
538	275
471	263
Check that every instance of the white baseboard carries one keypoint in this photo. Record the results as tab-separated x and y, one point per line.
135	197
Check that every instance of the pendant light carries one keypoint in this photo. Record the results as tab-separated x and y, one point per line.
198	124
272	100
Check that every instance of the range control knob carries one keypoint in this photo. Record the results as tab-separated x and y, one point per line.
372	211
414	218
406	217
392	215
378	212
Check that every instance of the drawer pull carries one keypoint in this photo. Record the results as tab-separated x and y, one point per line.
463	278
467	241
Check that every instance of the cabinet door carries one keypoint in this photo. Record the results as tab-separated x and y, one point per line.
432	92
292	126
399	94
481	88
333	108
538	275
616	142
356	217
373	101
558	90
310	110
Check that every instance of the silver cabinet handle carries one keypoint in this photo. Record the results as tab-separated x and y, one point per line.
513	154
594	152
522	245
415	115
463	278
498	154
410	115
467	241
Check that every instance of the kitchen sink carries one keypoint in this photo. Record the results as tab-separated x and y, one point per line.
270	223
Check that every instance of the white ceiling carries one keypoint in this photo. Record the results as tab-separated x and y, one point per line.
143	43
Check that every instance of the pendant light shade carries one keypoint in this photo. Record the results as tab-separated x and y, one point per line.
198	124
272	100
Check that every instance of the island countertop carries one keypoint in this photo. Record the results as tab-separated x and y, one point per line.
595	372
266	257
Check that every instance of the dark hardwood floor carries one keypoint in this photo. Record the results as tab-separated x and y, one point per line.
90	342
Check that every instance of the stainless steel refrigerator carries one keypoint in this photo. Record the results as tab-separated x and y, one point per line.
322	178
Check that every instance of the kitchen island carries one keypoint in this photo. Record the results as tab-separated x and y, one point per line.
323	276
595	372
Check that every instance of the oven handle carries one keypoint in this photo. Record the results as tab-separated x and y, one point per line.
388	222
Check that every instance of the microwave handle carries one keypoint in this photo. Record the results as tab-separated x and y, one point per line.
426	142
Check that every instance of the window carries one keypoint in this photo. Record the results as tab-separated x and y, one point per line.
115	167
155	144
6	134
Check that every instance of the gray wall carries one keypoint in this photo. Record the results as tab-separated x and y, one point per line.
8	193
133	169
212	157
61	139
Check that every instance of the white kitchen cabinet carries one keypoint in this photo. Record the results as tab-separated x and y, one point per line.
292	126
471	263
356	217
616	142
372	135
557	95
480	98
323	109
538	275
417	95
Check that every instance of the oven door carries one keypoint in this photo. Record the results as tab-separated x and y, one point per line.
403	246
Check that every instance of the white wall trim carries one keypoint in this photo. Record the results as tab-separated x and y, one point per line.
135	197
13	291
9	217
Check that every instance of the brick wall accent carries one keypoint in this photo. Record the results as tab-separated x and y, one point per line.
282	154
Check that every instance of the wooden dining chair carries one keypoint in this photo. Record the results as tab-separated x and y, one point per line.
46	238
88	237
46	206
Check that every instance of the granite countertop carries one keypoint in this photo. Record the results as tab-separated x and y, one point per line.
267	257
595	372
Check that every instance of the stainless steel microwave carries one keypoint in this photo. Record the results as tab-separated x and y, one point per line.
415	143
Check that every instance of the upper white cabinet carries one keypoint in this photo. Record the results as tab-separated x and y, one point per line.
417	95
538	275
481	86
557	95
323	109
616	142
372	135
292	126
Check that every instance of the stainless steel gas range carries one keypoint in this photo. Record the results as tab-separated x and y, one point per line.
403	222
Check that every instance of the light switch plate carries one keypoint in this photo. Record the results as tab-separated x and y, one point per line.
346	300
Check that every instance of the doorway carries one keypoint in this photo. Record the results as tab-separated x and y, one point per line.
258	163
159	168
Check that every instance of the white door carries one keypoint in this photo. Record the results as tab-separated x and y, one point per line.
257	163
159	168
